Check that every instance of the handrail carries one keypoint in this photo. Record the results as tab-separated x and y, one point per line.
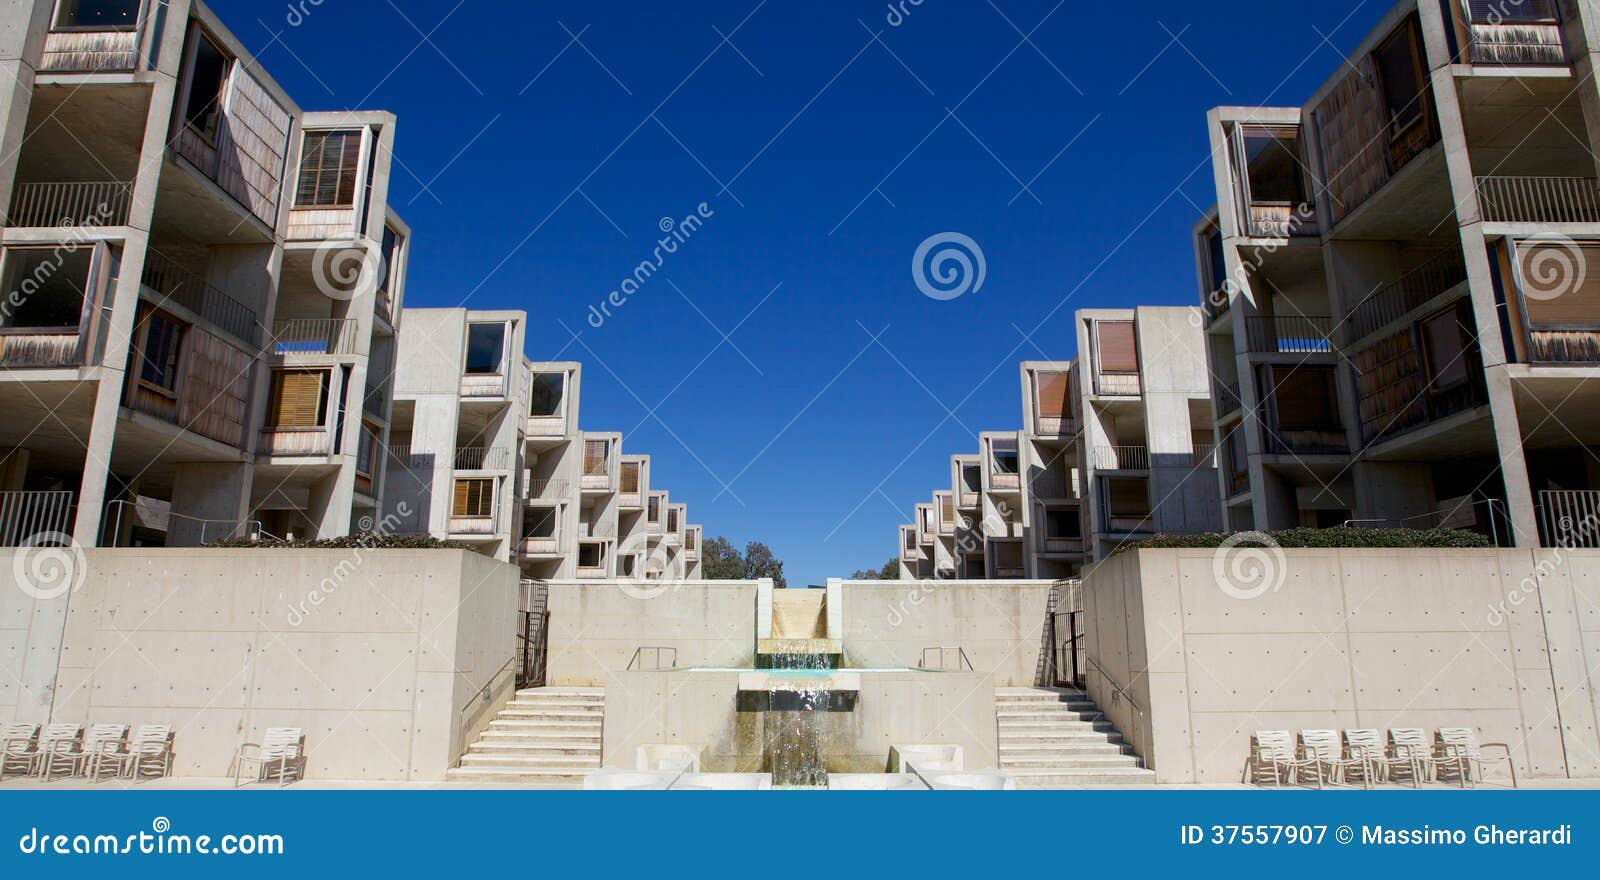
29	516
70	203
484	694
175	284
1120	693
1507	199
657	650
321	336
961	659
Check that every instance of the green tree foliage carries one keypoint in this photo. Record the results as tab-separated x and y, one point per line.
723	562
889	572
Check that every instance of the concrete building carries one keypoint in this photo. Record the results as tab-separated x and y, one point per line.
1114	446
487	451
192	347
1400	282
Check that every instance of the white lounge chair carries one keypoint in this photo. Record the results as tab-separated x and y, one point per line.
1272	756
104	745
1367	745
1457	749
58	749
150	749
1326	752
19	747
280	755
1411	744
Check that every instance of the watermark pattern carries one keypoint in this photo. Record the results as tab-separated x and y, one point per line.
344	271
1573	535
948	266
651	562
1249	565
1555	267
49	565
300	11
676	234
77	237
900	11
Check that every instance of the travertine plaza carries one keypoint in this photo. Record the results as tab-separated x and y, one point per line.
212	377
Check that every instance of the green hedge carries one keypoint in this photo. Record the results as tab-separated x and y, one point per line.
1450	539
353	542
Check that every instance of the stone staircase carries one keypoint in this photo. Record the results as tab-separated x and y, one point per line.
548	737
1054	738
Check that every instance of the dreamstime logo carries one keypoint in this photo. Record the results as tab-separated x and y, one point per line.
949	266
1570	534
301	10
49	565
1249	565
345	272
1555	267
370	535
674	234
648	578
900	11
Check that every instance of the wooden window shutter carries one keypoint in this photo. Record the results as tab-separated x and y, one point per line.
947	509
1548	291
473	498
1119	347
630	476
594	457
1053	391
296	398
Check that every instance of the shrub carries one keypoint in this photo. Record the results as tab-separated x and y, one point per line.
1346	538
353	542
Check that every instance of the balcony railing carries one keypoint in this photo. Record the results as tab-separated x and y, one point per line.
174	284
1283	221
1296	334
478	458
1122	458
314	336
474	525
90	50
1118	385
296	442
1230	399
1570	519
400	455
1413	290
35	518
75	203
1215	305
548	489
1204	455
545	546
1539	199
1522	33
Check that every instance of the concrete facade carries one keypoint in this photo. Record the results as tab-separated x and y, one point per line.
1115	446
1502	641
488	452
601	628
1398	324
206	334
389	660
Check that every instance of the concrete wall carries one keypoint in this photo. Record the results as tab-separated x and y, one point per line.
597	626
702	710
1000	625
381	656
1498	640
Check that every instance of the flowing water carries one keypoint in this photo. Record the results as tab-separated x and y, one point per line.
797	721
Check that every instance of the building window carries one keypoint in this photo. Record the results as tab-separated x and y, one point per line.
1118	346
1563	304
539	523
45	289
545	399
1063	524
97	15
653	509
630	477
1055	400
1305	399
329	163
972	478
591	555
392	242
474	498
1005	457
672	521
207	77
1446	342
298	399
596	458
1274	173
627	565
159	351
1127	498
486	343
1400	73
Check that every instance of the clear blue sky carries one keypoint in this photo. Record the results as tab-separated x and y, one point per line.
536	172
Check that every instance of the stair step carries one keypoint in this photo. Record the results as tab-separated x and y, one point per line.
562	692
1031	722
556	705
1052	778
1054	731
531	761
554	777
1063	762
1066	747
520	712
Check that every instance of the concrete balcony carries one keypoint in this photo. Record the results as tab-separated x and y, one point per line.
1122	458
480	458
70	203
334	337
1539	199
168	284
1297	334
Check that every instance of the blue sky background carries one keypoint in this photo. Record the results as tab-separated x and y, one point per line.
536	171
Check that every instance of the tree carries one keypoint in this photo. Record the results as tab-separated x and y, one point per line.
723	562
760	562
889	572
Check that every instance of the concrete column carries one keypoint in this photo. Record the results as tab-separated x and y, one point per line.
23	24
209	501
328	503
1513	464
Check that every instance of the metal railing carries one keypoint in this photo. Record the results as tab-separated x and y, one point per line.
1539	199
946	655
482	458
1410	292
1229	397
663	657
483	701
1067	646
1120	694
27	517
314	336
1122	458
1570	519
177	285
70	203
1203	455
118	512
535	643
1295	334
